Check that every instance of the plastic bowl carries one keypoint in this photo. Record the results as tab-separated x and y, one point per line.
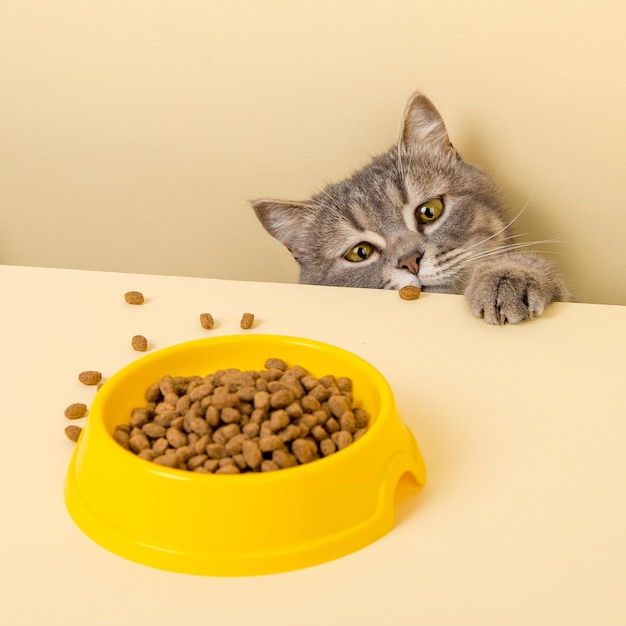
245	524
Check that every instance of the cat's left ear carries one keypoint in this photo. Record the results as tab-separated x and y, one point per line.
423	126
284	220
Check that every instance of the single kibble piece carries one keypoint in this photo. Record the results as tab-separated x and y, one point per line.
196	461
122	437
284	459
76	411
252	453
148	454
138	442
341	439
73	432
338	405
281	398
134	297
344	383
347	422
161	445
269	466
304	450
175	437
139	343
409	292
269	443
90	377
139	416
207	321
168	458
251	430
247	321
361	419
153	430
276	363
327	447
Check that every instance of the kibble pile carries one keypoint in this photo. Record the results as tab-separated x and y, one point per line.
231	421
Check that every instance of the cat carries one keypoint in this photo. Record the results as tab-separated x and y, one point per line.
417	215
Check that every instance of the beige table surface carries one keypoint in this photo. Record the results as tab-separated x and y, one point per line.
523	430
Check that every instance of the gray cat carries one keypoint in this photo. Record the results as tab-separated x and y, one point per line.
417	215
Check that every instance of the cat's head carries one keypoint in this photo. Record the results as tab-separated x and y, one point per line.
415	215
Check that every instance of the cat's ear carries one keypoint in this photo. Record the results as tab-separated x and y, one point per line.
284	220
423	126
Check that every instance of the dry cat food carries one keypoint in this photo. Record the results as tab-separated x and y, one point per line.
76	411
207	321
134	297
234	421
247	320
409	292
90	377
73	432
139	343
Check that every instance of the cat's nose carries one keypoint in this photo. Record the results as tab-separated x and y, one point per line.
411	263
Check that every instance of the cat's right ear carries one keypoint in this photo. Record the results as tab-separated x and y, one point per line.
423	126
286	221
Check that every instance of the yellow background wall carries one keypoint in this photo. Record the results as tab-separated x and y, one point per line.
132	133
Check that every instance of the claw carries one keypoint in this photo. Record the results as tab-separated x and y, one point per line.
502	318
531	314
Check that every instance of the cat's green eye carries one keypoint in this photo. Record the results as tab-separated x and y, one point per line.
360	252
429	211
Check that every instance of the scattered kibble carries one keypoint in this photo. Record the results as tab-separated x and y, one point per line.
90	377
139	343
134	297
247	321
76	411
207	321
231	422
409	292
73	432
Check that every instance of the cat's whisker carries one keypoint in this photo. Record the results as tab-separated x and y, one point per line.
506	249
500	250
462	258
506	226
554	252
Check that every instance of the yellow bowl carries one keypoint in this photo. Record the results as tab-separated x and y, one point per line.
251	523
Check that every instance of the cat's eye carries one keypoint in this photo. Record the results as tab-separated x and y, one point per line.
360	252
429	211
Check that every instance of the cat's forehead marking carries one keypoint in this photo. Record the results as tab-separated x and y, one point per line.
394	194
355	216
366	217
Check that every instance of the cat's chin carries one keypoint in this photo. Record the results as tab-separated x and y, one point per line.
408	283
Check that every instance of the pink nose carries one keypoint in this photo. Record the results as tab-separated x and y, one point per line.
411	263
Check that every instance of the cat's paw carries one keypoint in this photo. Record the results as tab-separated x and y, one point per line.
513	289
